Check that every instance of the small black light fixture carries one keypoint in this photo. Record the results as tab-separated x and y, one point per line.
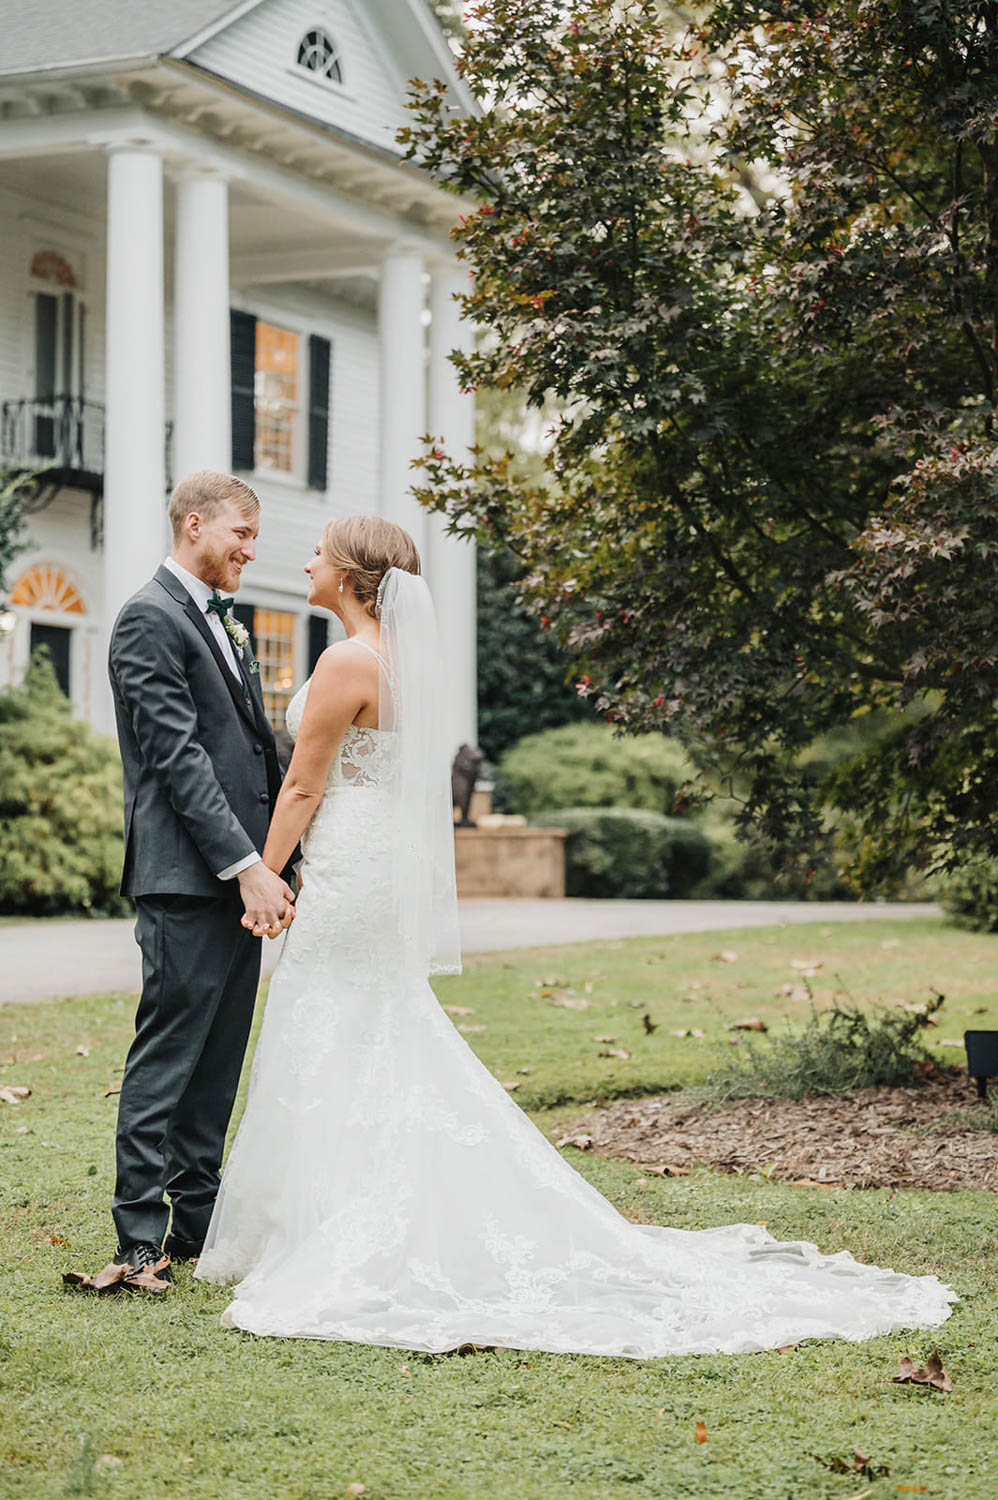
982	1058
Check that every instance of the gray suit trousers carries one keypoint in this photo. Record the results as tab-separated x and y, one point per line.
200	971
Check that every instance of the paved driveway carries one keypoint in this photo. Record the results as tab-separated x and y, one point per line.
44	959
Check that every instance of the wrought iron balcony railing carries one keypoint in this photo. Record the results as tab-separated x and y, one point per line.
60	435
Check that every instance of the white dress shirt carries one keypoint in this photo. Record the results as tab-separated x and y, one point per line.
201	592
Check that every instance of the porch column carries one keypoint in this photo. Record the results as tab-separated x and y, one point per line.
451	560
202	399
402	387
135	527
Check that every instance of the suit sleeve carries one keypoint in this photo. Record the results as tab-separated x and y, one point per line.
147	667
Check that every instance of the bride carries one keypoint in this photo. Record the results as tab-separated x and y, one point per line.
383	1187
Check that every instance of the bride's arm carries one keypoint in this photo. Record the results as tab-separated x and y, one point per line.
340	688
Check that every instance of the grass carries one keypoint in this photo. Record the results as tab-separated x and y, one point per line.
122	1398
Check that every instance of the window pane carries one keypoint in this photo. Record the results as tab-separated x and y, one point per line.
275	650
275	390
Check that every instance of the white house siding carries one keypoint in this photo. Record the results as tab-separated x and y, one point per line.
260	53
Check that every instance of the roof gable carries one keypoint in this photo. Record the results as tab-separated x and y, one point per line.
343	63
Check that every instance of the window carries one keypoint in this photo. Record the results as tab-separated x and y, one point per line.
58	355
275	398
45	586
274	637
318	53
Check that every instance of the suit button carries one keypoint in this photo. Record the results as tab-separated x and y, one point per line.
264	797
257	749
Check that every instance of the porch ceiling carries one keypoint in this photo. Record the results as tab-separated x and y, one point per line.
273	239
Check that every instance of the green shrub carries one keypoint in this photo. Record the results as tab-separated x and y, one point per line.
61	842
629	852
970	895
840	1049
586	765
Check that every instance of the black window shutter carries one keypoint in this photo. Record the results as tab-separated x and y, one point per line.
243	349
318	639
246	615
318	410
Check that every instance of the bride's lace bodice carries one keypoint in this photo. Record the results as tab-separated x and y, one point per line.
365	756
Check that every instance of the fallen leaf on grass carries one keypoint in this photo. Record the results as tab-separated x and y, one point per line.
950	1041
688	1031
700	1432
750	1023
57	1239
668	1170
931	1373
580	1142
550	983
566	1425
525	1071
926	1068
588	986
114	1089
727	956
459	1010
860	1464
83	1051
355	1489
567	1003
806	965
13	1093
621	1052
604	1038
465	1029
510	1087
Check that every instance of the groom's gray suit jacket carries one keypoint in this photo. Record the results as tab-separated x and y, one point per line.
200	765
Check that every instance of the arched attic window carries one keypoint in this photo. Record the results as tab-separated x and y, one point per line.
319	54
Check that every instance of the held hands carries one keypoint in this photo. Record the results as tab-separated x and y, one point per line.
268	899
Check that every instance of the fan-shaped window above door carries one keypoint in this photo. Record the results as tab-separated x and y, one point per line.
47	587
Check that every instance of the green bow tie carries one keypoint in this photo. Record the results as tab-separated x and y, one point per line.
220	605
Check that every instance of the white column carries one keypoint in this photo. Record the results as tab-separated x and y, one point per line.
202	399
451	567
402	386
134	466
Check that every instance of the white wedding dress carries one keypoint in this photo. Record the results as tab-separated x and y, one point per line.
385	1189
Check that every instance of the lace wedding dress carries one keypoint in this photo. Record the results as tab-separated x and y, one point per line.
385	1189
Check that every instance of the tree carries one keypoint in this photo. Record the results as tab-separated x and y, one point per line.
773	496
11	523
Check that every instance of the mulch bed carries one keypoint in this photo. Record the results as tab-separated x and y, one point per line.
875	1137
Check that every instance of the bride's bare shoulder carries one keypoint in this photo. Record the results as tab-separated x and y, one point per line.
345	661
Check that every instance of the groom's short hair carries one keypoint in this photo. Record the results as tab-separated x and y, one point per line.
206	492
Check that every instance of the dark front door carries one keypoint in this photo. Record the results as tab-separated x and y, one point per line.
57	639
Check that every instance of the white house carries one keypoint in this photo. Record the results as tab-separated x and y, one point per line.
213	257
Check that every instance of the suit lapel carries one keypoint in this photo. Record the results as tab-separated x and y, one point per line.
240	694
176	590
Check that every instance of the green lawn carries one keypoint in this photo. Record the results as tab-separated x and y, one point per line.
122	1398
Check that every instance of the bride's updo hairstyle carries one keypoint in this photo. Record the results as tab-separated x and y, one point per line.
366	547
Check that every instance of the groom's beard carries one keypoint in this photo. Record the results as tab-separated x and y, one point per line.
219	572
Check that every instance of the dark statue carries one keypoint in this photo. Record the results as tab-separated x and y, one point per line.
464	774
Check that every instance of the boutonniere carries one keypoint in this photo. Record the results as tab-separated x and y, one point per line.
238	633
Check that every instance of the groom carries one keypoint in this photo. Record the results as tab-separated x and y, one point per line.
201	777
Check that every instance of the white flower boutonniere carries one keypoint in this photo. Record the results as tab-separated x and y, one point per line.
238	633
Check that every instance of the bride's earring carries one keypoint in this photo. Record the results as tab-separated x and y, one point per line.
341	585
